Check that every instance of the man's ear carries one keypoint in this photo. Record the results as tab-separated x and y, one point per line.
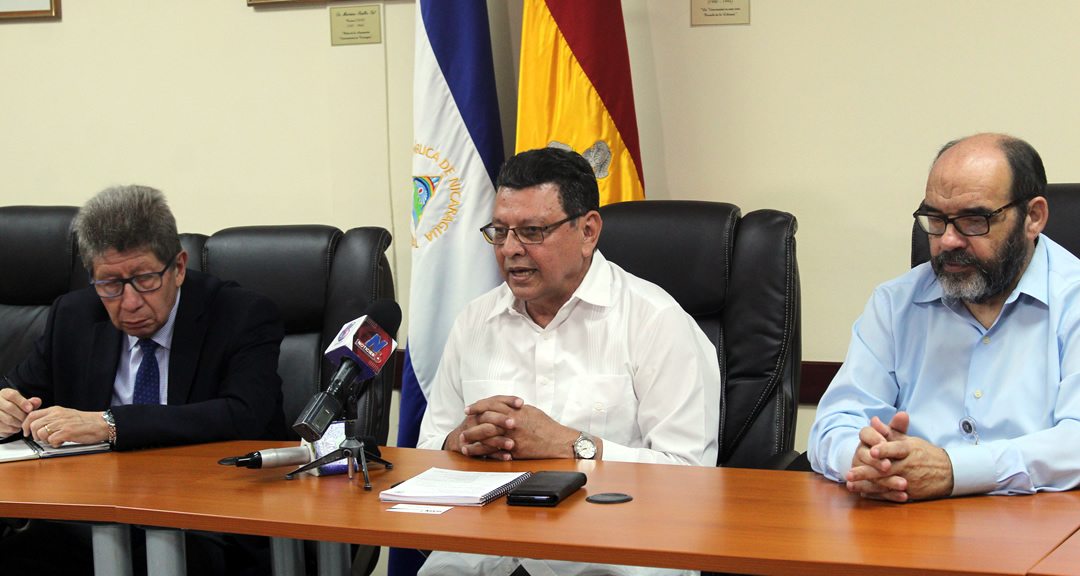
181	266
1038	212
591	224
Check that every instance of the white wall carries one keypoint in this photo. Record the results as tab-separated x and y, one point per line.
240	115
831	110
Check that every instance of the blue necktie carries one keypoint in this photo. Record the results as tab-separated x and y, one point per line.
147	379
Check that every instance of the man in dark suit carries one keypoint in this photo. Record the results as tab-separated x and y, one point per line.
152	354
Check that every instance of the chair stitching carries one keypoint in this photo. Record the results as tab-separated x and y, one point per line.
788	316
383	241
732	220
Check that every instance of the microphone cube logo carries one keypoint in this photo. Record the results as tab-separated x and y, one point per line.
370	344
375	345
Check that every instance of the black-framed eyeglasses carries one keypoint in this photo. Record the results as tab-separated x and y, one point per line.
141	283
525	234
969	225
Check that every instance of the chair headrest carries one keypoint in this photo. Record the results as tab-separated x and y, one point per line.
288	264
37	254
684	246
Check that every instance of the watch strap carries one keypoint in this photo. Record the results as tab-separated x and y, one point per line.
112	426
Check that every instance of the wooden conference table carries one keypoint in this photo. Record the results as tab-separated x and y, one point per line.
731	520
1063	561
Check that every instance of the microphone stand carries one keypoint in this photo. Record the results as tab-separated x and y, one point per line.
352	450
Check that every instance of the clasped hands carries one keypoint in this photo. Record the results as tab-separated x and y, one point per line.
890	465
53	425
505	428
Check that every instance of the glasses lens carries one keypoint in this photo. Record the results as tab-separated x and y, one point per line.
931	224
146	282
530	234
494	234
972	225
109	288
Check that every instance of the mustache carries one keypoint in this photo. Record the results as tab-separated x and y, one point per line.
956	258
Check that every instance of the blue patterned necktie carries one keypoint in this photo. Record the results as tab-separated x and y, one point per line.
147	379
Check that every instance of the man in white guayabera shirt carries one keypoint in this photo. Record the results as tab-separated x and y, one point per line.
572	357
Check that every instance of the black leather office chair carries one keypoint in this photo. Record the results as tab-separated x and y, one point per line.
1063	201
320	279
38	263
739	278
193	245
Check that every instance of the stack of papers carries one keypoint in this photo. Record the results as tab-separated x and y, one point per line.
453	487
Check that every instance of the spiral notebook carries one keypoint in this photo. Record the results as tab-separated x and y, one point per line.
453	487
28	449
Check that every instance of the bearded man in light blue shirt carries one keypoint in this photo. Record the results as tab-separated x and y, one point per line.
963	375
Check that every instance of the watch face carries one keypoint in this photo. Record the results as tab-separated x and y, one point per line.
585	448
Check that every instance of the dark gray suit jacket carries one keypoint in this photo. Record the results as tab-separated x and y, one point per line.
223	381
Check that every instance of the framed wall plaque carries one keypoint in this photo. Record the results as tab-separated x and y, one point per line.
29	10
271	2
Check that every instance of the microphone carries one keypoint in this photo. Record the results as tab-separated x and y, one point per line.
273	458
361	350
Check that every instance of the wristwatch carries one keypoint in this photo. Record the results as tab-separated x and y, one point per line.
112	426
585	447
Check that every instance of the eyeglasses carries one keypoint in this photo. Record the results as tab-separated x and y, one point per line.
141	283
971	225
497	235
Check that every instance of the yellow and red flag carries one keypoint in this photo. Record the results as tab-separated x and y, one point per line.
575	90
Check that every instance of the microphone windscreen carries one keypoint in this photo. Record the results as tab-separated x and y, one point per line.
386	314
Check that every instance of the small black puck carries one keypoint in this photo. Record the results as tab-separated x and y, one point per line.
609	498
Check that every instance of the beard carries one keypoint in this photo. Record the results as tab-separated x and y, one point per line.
990	277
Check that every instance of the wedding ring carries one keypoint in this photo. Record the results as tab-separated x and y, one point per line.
47	429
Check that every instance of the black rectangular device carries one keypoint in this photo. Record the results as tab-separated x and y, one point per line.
546	488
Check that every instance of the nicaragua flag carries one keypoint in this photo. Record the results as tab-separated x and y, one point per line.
457	152
575	90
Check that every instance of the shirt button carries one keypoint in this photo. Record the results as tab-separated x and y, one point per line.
598	407
543	381
547	335
978	393
986	339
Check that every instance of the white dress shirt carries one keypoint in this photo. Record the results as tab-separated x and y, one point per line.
620	360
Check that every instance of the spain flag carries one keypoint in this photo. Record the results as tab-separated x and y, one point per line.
575	90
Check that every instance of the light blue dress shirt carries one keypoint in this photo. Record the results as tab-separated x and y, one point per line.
915	350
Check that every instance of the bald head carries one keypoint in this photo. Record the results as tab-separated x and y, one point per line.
982	152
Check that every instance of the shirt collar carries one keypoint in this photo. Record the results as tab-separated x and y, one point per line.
595	289
1033	282
164	335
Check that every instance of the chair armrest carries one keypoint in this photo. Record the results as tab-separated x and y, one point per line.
781	461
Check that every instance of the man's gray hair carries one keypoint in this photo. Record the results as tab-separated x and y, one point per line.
126	218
